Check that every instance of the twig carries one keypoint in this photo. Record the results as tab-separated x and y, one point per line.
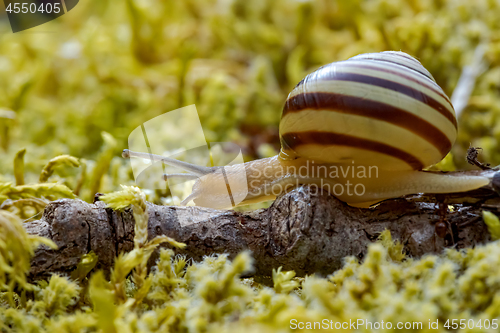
467	80
303	230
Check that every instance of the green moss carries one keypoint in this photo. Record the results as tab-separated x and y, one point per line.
493	224
72	98
210	296
116	65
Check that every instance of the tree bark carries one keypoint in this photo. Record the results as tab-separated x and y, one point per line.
303	230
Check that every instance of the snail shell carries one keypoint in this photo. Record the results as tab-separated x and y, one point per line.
383	109
377	109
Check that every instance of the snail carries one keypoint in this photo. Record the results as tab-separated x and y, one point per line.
363	129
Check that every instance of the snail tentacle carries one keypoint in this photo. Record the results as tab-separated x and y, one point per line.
180	176
193	168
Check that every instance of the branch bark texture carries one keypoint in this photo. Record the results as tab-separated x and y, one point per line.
303	230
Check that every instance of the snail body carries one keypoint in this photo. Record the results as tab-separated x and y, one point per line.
362	129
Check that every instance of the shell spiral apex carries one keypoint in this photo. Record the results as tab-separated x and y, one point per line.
383	109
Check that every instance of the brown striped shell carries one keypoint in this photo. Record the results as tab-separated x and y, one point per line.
382	109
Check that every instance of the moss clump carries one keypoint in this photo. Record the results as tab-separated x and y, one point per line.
210	296
69	100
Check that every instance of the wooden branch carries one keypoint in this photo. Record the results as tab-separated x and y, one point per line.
303	230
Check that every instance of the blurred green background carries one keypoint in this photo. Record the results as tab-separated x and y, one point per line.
80	84
110	65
